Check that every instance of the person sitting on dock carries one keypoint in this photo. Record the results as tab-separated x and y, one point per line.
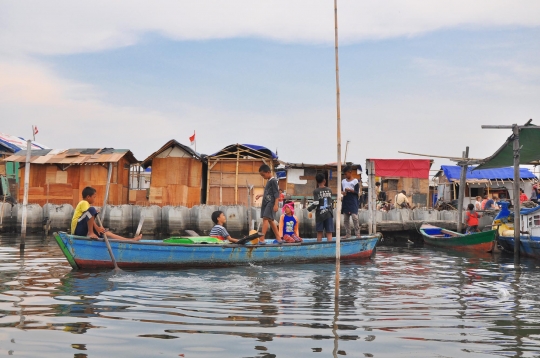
471	217
288	224
401	200
219	231
522	196
270	203
490	203
478	203
84	219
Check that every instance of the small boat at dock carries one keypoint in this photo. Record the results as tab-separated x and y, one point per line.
87	253
529	238
440	237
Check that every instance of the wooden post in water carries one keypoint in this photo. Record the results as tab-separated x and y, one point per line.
25	198
372	197
338	122
517	179
462	184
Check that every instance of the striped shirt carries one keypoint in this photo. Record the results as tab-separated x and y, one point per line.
220	232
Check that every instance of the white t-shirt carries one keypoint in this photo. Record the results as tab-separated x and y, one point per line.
349	184
478	205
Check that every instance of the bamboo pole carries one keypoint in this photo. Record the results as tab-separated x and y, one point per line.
517	217
462	183
103	209
25	198
338	122
236	178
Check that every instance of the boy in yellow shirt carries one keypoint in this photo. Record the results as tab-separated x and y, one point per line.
84	218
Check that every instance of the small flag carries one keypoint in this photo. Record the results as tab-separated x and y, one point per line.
35	130
192	138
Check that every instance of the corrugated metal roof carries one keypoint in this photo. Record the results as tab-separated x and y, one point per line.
74	156
172	143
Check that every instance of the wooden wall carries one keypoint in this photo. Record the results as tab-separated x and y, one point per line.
411	185
65	186
225	188
176	181
309	175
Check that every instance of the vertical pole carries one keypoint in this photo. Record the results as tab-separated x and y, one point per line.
106	198
236	178
338	122
462	183
250	227
517	217
372	197
25	198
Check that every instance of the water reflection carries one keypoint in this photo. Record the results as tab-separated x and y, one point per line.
407	301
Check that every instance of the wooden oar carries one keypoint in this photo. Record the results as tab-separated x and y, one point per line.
191	233
244	240
109	173
141	222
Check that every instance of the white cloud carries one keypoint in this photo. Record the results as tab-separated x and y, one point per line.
53	27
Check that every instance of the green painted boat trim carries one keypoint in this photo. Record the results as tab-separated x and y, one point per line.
65	251
461	240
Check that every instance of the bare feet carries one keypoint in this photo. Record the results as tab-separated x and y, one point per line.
137	238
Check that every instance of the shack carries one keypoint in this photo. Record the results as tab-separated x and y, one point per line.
58	176
176	176
8	171
481	182
411	175
233	169
297	180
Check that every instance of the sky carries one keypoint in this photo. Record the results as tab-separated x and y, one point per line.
415	76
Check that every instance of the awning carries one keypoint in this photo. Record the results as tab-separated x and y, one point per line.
529	141
403	168
453	173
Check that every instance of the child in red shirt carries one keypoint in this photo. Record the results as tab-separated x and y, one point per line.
471	217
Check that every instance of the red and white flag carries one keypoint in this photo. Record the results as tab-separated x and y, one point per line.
192	138
35	130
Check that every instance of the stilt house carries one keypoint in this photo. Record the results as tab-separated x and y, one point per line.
233	169
411	175
177	175
58	176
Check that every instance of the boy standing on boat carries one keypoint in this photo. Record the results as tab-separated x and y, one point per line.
471	218
270	203
84	223
323	203
218	231
350	187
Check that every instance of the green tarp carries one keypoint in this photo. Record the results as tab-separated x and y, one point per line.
529	141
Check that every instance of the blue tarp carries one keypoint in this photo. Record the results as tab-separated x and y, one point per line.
259	148
453	172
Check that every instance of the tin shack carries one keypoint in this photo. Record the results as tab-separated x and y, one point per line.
176	175
411	175
481	182
58	176
233	169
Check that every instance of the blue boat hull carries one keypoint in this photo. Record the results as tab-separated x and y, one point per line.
528	246
83	252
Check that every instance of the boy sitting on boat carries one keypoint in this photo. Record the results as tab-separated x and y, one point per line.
84	219
219	231
288	224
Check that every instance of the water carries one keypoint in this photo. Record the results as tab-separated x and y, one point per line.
407	302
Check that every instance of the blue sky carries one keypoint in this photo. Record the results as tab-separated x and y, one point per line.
419	79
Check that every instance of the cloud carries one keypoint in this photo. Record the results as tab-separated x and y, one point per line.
61	27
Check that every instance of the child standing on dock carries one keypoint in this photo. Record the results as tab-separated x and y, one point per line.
323	203
270	203
288	224
471	217
84	219
350	187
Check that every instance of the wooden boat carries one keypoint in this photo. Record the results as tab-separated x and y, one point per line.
85	253
436	236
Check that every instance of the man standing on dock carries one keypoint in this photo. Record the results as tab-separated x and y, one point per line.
401	200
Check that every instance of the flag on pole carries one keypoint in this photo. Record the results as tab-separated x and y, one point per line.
35	130
192	138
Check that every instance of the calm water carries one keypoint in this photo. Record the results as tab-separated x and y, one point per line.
407	302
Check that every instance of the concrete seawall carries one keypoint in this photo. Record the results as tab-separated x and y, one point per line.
174	220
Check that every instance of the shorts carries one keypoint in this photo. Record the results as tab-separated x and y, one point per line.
472	228
82	223
325	225
267	211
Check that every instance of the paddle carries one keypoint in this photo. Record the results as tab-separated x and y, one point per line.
191	233
109	173
141	221
244	240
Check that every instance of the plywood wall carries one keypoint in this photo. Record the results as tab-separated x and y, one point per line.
176	181
226	188
49	183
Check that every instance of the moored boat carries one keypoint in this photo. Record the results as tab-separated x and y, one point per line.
440	237
530	230
84	252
